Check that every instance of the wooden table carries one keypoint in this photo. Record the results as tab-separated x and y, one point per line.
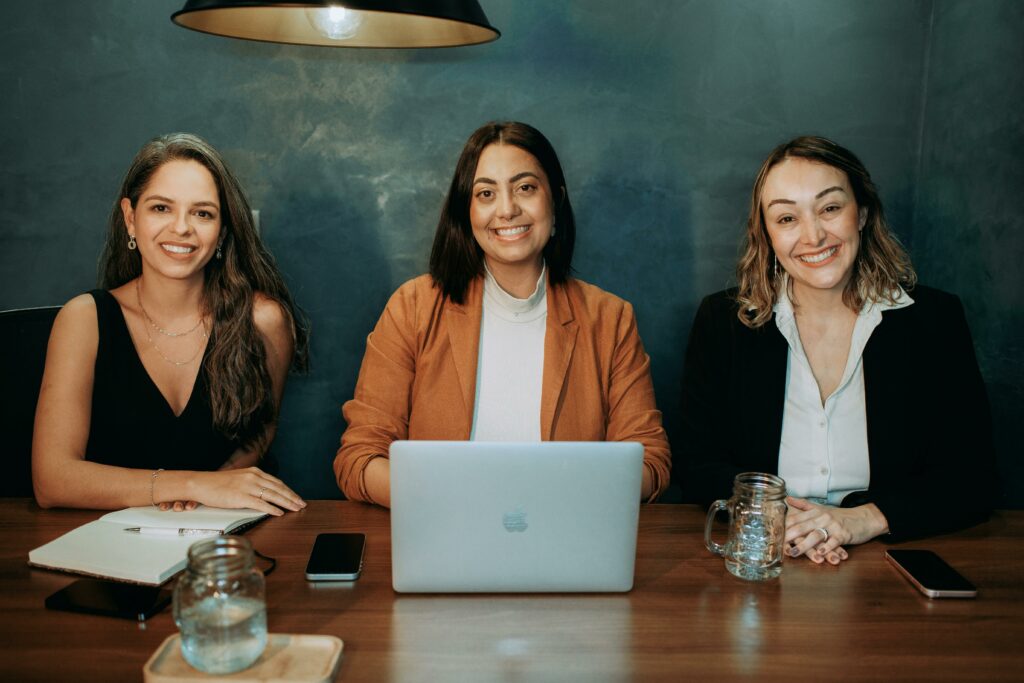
686	618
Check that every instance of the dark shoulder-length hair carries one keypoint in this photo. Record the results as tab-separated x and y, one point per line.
882	264
456	258
241	391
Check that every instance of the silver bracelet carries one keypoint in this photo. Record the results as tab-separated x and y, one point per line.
152	483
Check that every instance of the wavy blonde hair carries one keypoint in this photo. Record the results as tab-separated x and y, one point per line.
882	264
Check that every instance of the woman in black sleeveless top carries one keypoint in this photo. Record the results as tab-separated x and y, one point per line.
163	387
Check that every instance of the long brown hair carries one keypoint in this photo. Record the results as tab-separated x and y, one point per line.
456	258
241	391
882	264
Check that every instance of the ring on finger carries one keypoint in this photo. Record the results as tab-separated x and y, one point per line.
262	490
824	534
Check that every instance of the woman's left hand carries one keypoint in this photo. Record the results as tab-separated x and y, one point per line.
820	531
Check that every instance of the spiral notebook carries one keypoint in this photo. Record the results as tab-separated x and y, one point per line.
104	549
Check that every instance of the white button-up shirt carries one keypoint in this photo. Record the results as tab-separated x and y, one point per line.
823	454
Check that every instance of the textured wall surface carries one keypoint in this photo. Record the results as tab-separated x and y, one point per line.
661	113
968	223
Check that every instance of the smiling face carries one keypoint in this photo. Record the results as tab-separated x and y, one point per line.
511	209
813	222
176	220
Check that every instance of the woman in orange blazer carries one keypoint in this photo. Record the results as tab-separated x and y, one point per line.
498	342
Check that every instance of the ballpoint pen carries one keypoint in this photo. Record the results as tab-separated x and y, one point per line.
168	531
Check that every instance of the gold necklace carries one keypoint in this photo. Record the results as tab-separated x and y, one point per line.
176	363
152	323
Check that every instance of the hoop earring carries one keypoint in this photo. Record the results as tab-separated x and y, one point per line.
131	243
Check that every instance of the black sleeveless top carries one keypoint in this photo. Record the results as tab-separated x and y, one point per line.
132	424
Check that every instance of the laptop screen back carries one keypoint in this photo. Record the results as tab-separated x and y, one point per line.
470	516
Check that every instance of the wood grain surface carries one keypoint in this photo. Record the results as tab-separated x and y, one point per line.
686	618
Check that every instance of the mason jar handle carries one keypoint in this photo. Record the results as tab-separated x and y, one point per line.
715	508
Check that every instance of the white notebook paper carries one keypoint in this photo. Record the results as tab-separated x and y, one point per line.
103	548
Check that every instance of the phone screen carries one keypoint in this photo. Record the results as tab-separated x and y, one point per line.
336	557
930	574
109	598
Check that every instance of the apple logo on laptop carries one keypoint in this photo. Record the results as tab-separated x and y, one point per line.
515	520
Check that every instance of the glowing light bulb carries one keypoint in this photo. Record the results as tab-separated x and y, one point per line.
334	22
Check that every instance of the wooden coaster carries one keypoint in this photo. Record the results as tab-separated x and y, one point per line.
288	657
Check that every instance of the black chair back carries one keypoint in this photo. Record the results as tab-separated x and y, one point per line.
24	334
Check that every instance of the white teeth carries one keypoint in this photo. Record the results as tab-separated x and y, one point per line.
508	232
818	258
175	249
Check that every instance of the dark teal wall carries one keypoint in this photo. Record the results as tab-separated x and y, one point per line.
661	112
968	223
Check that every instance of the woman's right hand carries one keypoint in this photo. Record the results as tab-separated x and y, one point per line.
178	505
249	487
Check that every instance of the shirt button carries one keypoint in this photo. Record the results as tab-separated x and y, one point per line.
824	470
821	423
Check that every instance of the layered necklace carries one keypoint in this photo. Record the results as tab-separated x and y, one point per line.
166	333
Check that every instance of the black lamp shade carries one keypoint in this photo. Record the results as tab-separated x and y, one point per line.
343	23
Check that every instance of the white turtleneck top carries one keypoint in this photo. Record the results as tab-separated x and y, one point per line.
510	367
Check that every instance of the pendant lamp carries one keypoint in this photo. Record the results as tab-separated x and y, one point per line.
343	23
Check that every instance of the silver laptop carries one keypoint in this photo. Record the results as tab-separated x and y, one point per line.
472	516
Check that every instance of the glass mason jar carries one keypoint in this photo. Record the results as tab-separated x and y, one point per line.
220	606
757	526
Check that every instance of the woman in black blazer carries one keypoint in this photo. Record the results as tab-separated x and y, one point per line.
828	366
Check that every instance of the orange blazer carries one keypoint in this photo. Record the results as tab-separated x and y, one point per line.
418	378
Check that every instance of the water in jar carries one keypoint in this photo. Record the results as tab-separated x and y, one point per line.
222	634
756	553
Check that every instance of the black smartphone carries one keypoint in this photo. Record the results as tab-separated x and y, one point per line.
110	598
336	557
930	574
